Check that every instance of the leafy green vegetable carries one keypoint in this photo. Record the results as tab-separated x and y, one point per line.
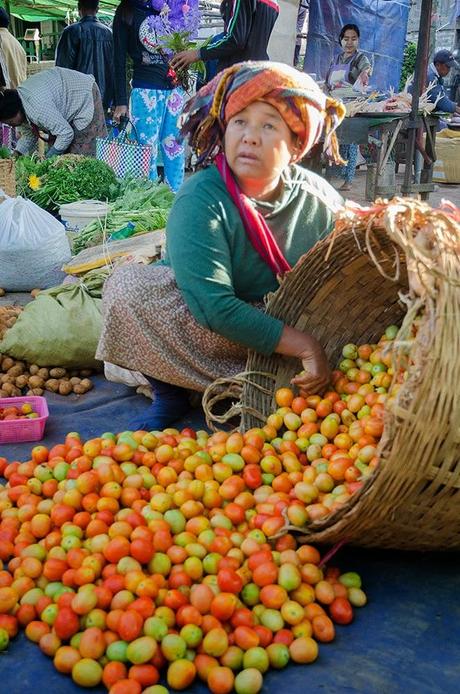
99	230
5	153
143	203
65	179
408	66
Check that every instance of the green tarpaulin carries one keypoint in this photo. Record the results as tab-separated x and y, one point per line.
42	10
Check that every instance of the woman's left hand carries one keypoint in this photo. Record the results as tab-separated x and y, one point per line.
185	58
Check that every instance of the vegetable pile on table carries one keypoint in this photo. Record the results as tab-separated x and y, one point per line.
68	178
144	204
398	102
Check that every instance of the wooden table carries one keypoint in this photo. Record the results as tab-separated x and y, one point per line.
391	127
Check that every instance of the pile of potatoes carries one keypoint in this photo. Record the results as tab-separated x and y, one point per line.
8	317
18	377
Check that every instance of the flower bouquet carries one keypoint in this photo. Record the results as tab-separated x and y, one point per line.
174	28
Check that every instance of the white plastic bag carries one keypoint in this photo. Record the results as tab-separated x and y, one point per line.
33	246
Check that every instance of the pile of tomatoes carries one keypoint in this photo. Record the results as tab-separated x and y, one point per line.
132	554
125	556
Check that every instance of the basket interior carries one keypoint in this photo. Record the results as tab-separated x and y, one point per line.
340	300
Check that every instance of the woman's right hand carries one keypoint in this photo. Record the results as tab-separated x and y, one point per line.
316	372
119	113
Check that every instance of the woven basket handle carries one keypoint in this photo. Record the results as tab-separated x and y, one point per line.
232	388
123	134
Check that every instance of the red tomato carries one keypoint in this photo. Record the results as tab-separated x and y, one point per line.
341	611
229	581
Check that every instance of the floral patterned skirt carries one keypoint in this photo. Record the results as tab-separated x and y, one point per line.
155	114
147	327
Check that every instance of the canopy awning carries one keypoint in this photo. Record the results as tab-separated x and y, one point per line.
43	10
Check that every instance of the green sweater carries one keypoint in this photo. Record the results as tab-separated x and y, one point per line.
215	265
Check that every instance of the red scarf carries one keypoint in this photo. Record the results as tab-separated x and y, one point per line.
254	224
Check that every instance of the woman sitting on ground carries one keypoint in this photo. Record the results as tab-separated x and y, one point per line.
235	226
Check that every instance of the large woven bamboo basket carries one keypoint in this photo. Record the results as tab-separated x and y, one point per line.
412	501
8	177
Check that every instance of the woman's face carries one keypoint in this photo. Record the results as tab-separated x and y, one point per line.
350	41
258	144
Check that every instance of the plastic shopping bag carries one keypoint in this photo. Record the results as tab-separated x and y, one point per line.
33	246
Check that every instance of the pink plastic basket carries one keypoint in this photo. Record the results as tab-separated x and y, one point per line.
15	431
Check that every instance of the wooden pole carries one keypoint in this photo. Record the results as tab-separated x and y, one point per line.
421	66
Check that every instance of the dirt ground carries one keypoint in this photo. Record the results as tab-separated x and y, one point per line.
443	191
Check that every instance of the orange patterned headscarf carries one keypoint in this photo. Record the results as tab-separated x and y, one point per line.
307	111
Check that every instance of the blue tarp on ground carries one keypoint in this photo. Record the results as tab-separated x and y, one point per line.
382	24
405	641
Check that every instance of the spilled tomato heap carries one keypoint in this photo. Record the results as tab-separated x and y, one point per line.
148	551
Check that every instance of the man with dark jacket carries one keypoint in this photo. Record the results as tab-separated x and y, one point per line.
248	26
87	47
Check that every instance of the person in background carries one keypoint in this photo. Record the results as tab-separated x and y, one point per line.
13	70
87	47
304	7
156	102
13	60
442	63
62	103
235	226
248	26
349	68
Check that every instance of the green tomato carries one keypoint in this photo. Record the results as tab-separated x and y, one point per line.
257	658
278	655
272	619
176	520
350	580
210	563
289	577
156	628
43	473
70	542
49	614
141	650
347	364
173	647
250	594
248	681
221	521
378	368
60	471
117	651
391	332
357	597
4	639
192	635
160	564
350	351
234	460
